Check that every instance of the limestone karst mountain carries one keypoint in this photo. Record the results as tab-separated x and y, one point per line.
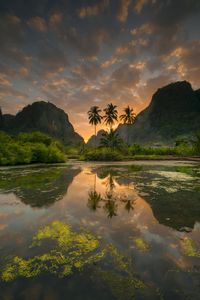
41	116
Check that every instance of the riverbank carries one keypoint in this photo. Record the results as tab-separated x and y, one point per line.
162	162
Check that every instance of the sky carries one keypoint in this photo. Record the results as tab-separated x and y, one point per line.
78	53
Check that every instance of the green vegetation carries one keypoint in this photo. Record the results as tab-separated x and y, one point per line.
189	249
26	148
140	244
102	154
68	251
112	147
111	140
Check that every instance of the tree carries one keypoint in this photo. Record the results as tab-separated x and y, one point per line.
94	118
111	140
196	143
110	115
128	118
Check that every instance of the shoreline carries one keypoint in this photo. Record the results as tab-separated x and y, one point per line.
155	161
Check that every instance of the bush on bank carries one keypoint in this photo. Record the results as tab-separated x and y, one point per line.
29	148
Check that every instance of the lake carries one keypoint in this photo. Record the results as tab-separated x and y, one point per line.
100	231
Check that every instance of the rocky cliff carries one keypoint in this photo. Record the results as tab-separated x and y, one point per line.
42	116
174	112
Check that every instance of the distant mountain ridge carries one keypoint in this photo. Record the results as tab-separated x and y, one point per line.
41	116
92	140
174	112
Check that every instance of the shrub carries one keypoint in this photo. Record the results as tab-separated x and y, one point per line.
196	144
35	137
30	148
184	150
55	155
103	154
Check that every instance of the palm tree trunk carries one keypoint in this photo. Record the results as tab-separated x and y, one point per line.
95	139
128	135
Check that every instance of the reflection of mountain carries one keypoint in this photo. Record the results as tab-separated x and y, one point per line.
38	187
176	205
179	209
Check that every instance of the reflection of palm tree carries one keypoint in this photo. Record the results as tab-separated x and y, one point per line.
110	182
129	205
94	199
110	205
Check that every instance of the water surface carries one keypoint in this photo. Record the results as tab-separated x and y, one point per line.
92	231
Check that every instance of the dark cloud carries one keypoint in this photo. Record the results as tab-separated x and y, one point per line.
80	53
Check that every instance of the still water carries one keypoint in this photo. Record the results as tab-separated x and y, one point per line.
94	231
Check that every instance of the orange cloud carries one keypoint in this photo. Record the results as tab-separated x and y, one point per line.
93	10
123	12
139	4
38	23
55	19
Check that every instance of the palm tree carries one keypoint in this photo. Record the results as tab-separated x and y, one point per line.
110	115
111	139
128	118
94	118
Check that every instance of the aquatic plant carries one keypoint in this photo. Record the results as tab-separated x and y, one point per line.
140	244
73	250
189	248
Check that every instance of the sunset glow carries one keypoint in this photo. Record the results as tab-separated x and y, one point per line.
76	54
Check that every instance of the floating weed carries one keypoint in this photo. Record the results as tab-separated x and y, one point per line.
189	248
170	175
140	244
72	251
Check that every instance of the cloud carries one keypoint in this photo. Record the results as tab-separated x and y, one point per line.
88	71
123	10
38	24
108	63
4	81
11	32
93	10
55	19
51	60
139	4
87	44
126	76
183	61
